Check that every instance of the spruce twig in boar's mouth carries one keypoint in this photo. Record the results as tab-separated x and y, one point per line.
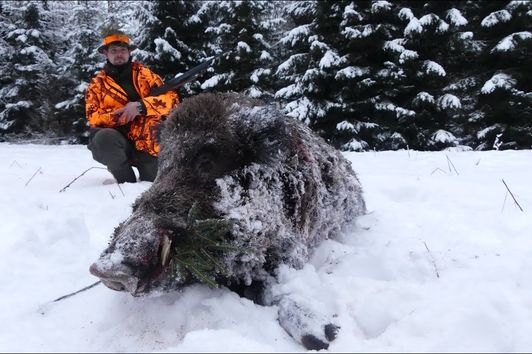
192	251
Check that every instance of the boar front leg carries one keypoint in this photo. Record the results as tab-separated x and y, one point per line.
305	324
296	315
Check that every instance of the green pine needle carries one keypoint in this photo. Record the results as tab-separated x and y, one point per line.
197	252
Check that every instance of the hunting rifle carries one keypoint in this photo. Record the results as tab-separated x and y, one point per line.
175	83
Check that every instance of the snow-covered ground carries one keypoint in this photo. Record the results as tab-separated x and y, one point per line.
442	262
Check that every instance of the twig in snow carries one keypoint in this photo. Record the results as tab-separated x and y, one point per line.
504	203
432	259
74	180
476	164
32	177
451	164
515	200
118	184
77	292
408	150
436	169
15	162
43	308
112	195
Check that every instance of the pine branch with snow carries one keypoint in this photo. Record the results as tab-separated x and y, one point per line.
196	251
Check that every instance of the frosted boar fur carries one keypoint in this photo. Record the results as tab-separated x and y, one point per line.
282	188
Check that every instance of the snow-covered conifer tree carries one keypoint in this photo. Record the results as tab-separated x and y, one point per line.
26	105
172	39
240	29
369	80
310	62
505	97
294	49
371	74
429	55
7	82
77	64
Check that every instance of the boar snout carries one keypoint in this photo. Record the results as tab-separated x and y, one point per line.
118	277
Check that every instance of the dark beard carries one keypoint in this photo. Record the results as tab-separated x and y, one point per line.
116	71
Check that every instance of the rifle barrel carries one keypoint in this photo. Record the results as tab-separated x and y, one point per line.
176	82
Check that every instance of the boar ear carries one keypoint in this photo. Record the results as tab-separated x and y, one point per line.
261	132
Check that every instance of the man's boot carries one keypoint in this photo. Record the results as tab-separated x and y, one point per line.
147	166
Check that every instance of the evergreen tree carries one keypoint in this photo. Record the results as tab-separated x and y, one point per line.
424	54
26	107
240	30
504	109
116	14
76	66
370	79
417	73
364	74
292	55
173	39
296	64
320	85
8	90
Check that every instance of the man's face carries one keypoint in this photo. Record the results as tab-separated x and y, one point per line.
116	54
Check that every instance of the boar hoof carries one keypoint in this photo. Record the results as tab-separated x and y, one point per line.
312	343
308	326
331	331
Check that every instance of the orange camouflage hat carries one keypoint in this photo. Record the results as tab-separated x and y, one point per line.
116	38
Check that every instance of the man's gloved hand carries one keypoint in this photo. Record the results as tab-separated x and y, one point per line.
126	114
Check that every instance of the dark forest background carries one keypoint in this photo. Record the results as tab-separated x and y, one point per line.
365	75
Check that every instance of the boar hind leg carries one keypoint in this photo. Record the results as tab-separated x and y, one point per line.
311	328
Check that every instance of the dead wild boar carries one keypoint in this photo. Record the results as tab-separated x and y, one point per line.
241	189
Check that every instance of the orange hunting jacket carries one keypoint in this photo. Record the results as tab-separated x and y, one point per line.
104	96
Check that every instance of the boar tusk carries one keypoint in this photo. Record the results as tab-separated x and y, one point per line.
165	250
